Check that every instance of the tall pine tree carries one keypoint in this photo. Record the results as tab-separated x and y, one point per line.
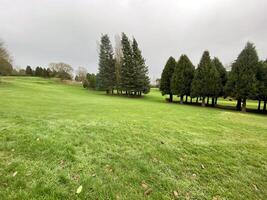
107	75
206	81
242	78
128	73
223	76
166	76
182	77
140	71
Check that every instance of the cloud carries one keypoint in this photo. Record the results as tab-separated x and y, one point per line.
38	32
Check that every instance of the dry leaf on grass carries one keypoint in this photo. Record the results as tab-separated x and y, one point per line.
255	187
93	175
144	185
202	166
147	192
175	194
79	189
15	173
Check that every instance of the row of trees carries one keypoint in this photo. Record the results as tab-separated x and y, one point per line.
125	70
247	79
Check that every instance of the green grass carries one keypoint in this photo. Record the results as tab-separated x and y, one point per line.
58	137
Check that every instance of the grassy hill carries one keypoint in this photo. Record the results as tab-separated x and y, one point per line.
56	137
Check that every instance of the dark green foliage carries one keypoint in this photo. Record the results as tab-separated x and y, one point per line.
107	75
206	81
182	77
142	82
29	71
127	69
90	81
5	67
261	76
166	76
242	78
223	75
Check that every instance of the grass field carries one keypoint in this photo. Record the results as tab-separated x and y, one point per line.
56	137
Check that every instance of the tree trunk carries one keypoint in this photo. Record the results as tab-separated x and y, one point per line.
238	105
264	105
216	100
170	97
181	99
134	93
244	104
203	102
107	91
197	100
190	100
213	101
208	99
112	91
259	105
186	98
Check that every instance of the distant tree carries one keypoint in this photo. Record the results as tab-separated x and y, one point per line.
182	78
29	70
118	61
90	81
62	70
4	54
157	83
223	76
206	82
166	76
142	82
107	74
5	67
81	74
242	78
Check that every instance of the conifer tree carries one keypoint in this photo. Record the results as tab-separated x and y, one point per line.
206	81
29	70
128	73
223	76
261	77
182	77
106	76
166	76
242	79
140	70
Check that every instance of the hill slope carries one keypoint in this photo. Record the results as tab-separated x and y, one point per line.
56	137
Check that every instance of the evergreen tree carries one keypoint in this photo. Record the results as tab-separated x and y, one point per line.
29	71
242	79
128	72
206	81
223	76
182	77
166	76
261	77
38	71
107	75
142	83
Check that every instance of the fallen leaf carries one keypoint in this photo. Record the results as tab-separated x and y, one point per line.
202	166
175	193
187	196
15	173
93	175
147	192
255	187
144	185
79	189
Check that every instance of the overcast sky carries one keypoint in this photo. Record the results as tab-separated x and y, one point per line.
38	32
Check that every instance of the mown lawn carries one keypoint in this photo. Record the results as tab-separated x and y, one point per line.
56	137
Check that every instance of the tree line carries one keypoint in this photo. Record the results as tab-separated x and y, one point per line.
124	71
210	80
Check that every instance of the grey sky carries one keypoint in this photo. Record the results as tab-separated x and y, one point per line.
38	32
